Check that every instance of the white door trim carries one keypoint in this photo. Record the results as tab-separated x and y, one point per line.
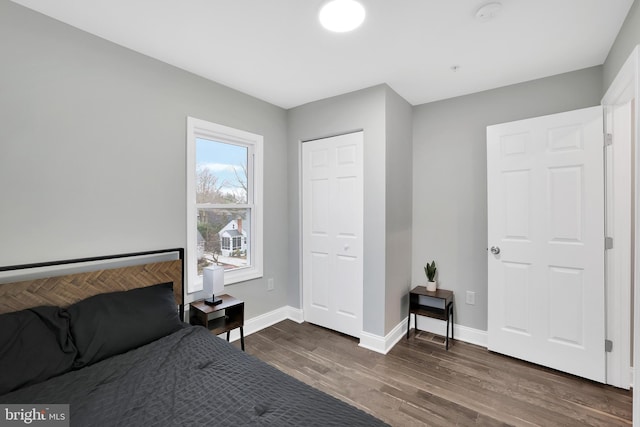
618	225
624	88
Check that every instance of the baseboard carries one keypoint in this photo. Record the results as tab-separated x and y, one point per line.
460	332
295	314
265	320
369	341
383	344
377	343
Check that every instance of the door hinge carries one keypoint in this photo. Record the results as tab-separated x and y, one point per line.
608	139
608	346
608	243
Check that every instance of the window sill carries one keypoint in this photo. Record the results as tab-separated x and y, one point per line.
241	275
237	276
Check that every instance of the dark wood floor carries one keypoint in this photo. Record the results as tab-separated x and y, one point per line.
419	383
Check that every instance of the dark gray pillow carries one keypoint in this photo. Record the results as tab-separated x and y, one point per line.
35	345
108	324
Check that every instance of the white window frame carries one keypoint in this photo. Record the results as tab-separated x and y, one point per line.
197	128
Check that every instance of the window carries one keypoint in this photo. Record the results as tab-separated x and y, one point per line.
225	244
237	243
224	202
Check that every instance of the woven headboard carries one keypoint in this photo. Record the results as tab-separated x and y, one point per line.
66	289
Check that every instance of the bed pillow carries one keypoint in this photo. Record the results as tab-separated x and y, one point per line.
108	324
35	345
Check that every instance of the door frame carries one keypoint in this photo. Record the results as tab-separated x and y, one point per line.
624	88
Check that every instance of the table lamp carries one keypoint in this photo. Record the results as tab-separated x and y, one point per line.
213	284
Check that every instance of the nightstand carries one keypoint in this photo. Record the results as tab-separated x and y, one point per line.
437	304
233	316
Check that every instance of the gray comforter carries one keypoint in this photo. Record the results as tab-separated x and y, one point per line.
189	378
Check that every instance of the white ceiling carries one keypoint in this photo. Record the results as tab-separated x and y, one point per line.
276	50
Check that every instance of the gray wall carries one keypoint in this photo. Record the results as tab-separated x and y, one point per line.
449	176
365	110
399	184
92	162
628	38
92	150
385	118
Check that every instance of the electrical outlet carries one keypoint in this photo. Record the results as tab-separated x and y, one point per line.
270	285
471	298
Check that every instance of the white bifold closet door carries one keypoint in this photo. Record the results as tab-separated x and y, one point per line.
332	223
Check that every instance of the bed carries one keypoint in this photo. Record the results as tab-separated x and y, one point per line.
110	343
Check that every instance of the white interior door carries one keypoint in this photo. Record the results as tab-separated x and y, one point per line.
332	223
545	185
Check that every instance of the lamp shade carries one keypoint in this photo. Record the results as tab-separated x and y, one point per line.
213	280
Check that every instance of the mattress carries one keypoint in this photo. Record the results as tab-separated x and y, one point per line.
189	378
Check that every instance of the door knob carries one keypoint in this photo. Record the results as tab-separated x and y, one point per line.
495	250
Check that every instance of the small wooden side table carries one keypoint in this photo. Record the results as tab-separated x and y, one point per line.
233	316
444	313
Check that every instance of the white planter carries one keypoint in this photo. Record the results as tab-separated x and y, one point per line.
431	286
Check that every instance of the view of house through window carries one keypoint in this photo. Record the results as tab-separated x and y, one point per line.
223	204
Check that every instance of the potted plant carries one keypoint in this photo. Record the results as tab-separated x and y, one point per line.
430	271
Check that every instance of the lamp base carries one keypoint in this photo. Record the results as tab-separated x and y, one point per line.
213	300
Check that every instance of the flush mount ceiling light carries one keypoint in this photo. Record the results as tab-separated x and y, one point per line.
488	11
341	16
